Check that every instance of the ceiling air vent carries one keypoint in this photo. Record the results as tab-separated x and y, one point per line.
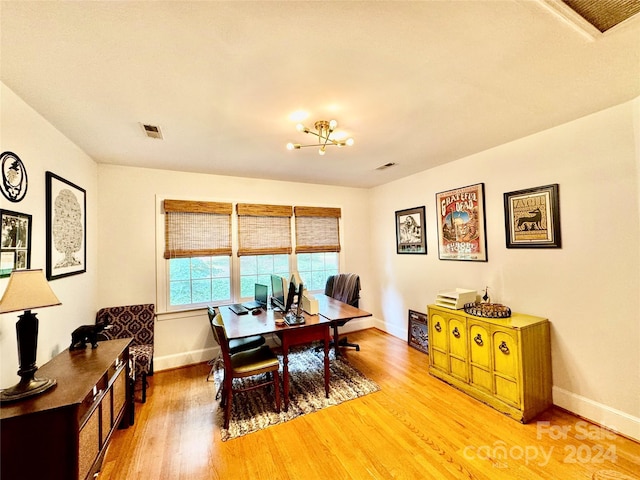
386	165
152	131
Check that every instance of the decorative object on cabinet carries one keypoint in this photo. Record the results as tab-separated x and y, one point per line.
64	434
503	362
461	224
66	227
15	242
487	310
411	231
14	177
27	290
456	299
532	218
418	331
87	334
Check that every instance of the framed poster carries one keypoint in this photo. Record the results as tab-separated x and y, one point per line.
410	231
66	227
461	224
418	331
15	242
532	218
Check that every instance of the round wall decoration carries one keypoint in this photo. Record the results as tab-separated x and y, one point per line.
14	177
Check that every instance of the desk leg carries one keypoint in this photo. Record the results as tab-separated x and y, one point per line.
285	372
327	373
335	339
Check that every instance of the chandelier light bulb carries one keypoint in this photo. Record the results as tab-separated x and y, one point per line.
349	142
333	124
321	151
290	146
300	127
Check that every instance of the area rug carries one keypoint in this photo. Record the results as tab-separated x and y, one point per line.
255	410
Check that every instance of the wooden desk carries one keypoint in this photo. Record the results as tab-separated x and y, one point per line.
316	327
63	434
338	312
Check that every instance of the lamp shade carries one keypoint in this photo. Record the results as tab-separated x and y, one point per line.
27	289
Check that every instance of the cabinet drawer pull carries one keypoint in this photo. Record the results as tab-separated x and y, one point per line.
438	327
478	340
456	332
503	348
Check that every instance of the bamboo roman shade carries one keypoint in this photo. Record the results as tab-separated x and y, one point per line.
264	229
196	229
317	229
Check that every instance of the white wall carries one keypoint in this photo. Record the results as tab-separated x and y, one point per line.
129	221
589	289
42	148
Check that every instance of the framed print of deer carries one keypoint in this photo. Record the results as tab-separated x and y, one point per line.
532	218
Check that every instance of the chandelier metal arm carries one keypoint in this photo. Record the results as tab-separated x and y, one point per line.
323	132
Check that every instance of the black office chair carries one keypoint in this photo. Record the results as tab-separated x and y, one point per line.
236	345
346	288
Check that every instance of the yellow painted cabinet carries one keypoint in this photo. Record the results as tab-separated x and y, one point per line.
505	363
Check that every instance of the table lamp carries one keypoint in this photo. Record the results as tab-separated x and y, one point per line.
27	289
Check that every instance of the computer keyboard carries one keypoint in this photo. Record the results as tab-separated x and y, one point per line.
238	309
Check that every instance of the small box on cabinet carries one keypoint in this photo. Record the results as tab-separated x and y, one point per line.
456	299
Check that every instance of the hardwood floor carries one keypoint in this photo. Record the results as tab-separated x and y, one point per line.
416	427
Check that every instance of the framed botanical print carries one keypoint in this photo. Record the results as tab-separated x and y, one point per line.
15	242
66	227
461	224
410	231
532	218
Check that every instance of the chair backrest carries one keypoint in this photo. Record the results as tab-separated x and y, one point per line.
211	311
344	287
221	337
135	321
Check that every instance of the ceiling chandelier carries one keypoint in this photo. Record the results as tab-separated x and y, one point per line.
323	130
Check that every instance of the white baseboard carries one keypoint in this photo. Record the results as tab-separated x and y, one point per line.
601	414
182	359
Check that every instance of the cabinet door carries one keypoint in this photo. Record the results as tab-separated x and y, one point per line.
88	444
458	347
439	349
505	358
480	357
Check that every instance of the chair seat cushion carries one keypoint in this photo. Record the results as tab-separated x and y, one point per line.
254	361
238	344
142	356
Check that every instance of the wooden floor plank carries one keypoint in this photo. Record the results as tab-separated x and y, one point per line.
415	427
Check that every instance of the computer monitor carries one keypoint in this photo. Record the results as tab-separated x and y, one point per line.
277	292
291	317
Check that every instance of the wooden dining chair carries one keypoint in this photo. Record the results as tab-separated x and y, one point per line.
236	345
247	363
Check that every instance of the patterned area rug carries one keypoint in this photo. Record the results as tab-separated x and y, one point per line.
255	410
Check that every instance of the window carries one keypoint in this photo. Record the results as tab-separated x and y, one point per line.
198	250
315	268
264	244
317	245
258	269
199	280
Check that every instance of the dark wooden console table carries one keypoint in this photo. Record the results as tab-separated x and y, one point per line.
63	433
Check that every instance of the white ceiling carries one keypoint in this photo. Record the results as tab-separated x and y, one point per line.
415	83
